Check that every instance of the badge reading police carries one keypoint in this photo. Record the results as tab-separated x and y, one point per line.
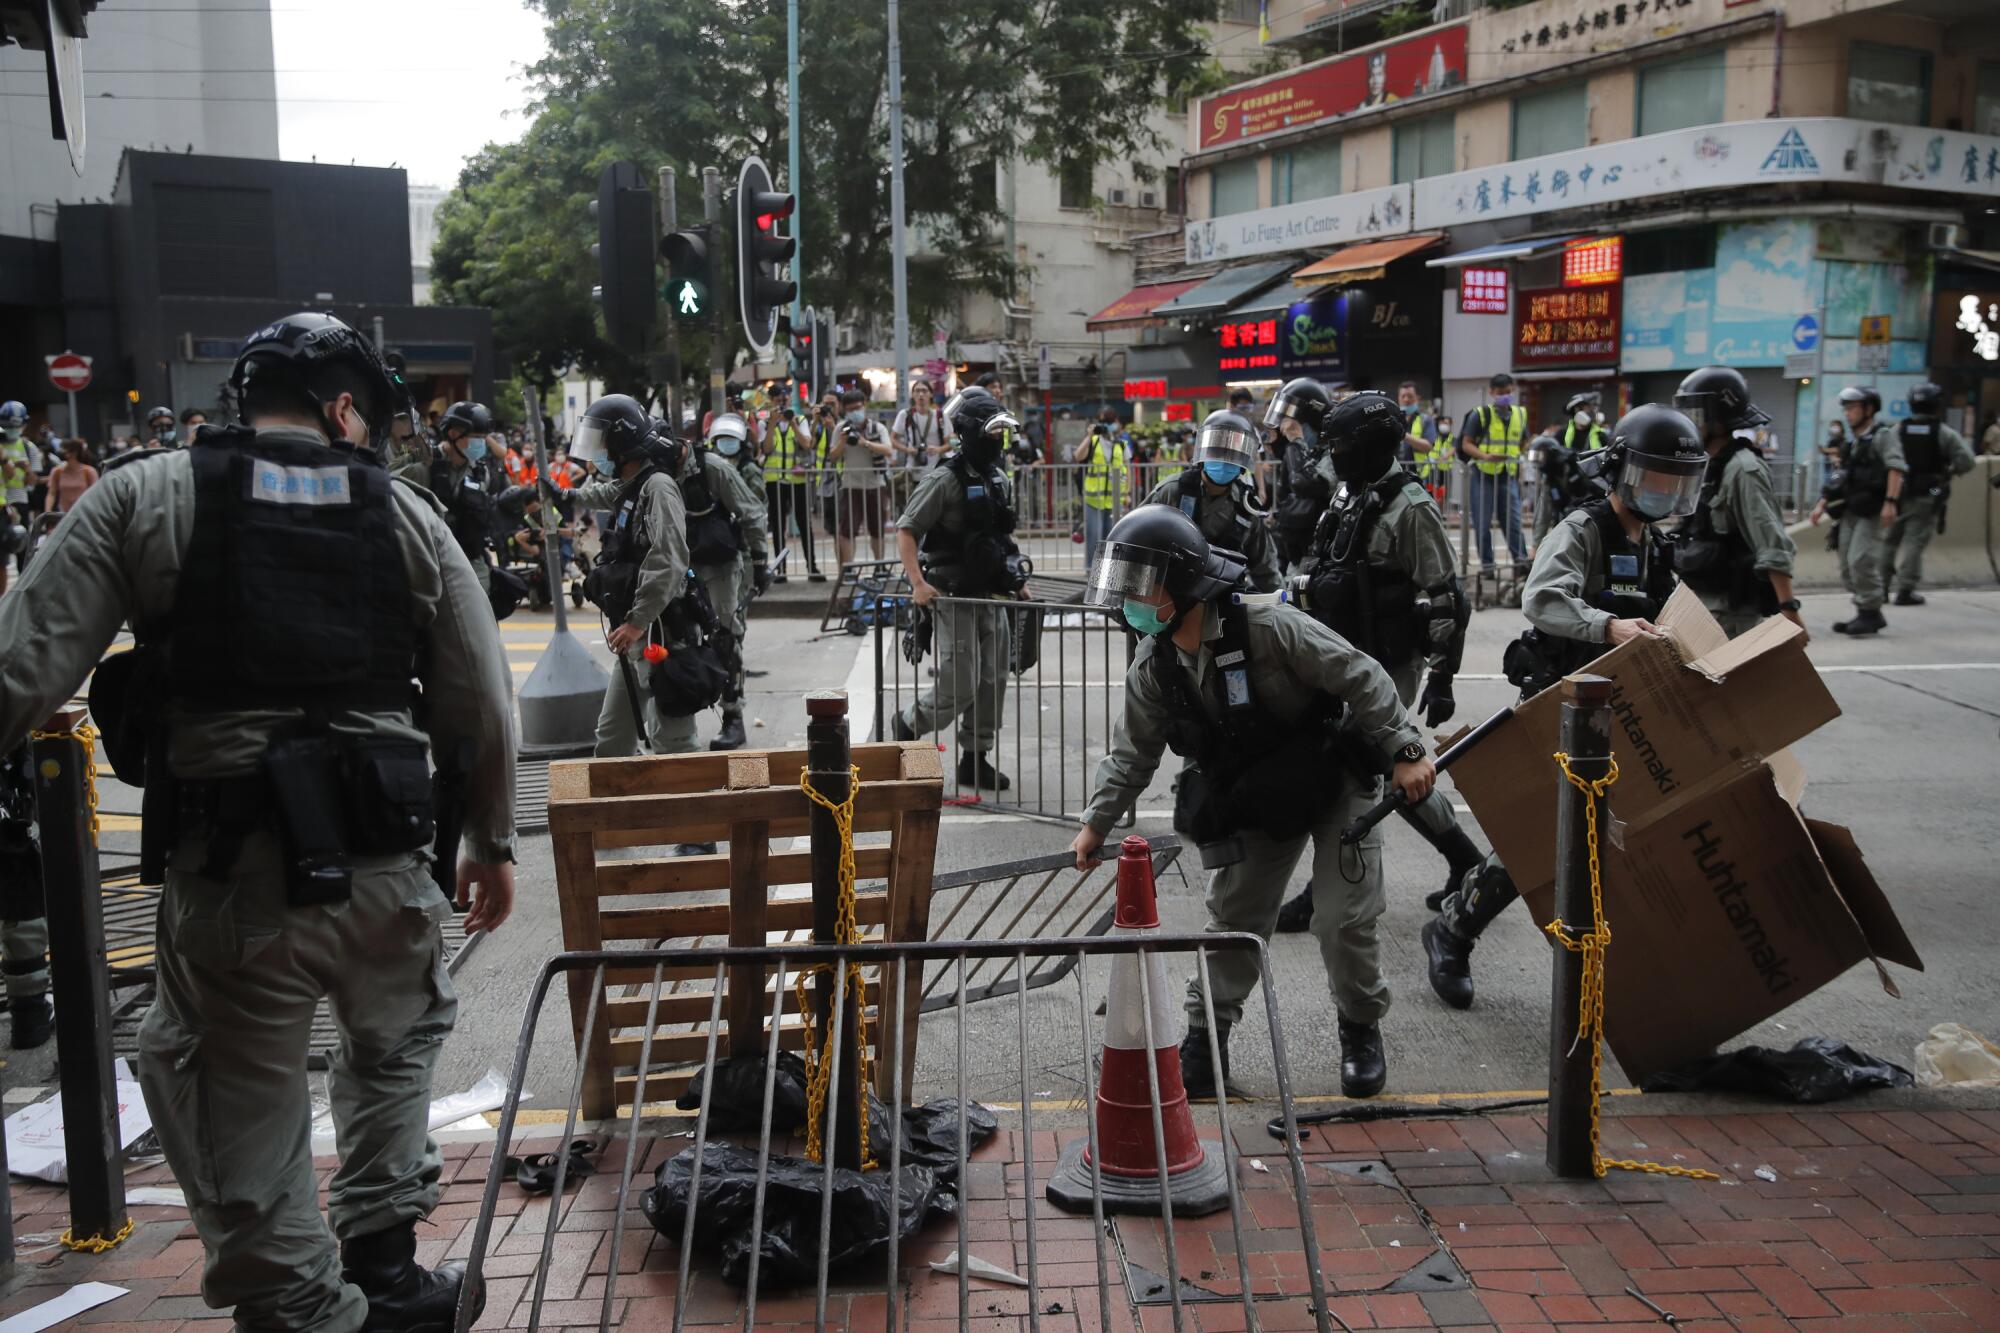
275	483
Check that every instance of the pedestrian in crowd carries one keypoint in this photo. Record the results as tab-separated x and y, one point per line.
862	449
1268	770
160	428
1380	574
1491	440
1600	578
1106	480
192	420
640	580
20	470
1934	453
827	463
918	434
1872	475
1215	491
1430	453
954	540
1733	549
69	479
275	666
1989	440
725	522
788	493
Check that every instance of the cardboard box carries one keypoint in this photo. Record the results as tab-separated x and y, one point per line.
1725	903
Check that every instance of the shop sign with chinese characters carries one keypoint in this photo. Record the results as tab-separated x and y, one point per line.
1250	344
1137	390
1482	291
1566	326
1590	263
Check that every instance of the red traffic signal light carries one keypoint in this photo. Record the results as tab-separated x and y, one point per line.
761	253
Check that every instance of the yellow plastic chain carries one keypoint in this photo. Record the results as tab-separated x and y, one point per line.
96	1244
819	1059
1590	1016
86	734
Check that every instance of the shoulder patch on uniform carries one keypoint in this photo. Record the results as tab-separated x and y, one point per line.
1414	492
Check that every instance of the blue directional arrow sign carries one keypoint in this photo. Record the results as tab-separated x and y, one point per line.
1805	333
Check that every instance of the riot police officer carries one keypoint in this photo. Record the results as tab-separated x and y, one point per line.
1380	574
1305	480
1935	453
1872	473
642	571
1733	549
24	927
457	472
1286	728
1563	477
287	593
954	538
1215	491
1598	580
725	519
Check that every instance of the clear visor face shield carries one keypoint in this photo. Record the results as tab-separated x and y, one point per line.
1226	442
590	444
1280	410
1123	572
1659	488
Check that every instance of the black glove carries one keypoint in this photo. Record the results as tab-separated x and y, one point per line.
1437	701
760	580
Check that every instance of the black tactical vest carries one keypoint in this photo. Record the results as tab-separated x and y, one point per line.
1372	607
294	592
1923	452
467	504
974	560
1867	474
711	532
1717	563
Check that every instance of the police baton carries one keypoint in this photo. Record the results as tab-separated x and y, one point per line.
631	679
1383	808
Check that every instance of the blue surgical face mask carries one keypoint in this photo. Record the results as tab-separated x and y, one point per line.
1409	409
727	445
1144	617
475	448
1221	473
1503	400
858	415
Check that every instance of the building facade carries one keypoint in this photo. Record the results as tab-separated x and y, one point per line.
1604	196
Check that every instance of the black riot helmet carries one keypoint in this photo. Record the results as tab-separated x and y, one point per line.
1660	458
1305	401
1364	431
467	418
1863	394
1227	437
1926	400
981	424
1155	547
308	360
1716	398
613	430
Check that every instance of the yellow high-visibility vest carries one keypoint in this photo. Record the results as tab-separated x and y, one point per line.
1437	460
1503	439
1105	480
783	456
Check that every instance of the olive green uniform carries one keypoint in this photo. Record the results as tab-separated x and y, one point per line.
1293	660
222	1050
417	471
1564	581
1917	516
972	641
1864	543
750	469
1228	521
725	582
1745	505
662	577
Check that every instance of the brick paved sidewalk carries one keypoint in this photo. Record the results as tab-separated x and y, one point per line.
1876	1219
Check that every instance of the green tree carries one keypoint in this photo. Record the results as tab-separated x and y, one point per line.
702	82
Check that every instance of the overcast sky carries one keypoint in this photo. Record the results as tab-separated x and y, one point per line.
422	83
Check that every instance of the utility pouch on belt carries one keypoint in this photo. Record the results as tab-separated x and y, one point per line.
305	779
612	588
389	786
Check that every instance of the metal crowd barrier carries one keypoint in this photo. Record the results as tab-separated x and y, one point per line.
488	1236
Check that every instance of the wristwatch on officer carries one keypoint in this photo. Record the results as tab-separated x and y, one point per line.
1790	604
1411	753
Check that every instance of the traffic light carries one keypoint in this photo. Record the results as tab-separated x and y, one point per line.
761	253
624	252
690	274
805	353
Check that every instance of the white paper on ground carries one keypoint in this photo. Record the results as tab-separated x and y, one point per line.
165	1196
488	1094
978	1267
87	1296
35	1134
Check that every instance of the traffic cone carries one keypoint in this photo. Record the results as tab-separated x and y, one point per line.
1127	1162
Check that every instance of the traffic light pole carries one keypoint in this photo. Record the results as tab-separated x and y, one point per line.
900	283
718	364
669	224
792	176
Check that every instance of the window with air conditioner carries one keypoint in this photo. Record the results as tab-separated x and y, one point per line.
1118	196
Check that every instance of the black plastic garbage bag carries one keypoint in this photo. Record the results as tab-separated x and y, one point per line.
792	1200
1816	1069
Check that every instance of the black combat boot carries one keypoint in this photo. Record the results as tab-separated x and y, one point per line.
900	728
34	1021
732	737
1363	1069
1460	856
1296	916
1863	624
1449	936
1909	597
1198	1062
974	771
402	1297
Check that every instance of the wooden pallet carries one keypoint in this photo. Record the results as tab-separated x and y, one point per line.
746	799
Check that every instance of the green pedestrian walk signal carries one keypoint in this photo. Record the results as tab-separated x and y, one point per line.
687	297
689	274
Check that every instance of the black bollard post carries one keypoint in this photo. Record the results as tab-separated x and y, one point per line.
828	770
1586	739
80	981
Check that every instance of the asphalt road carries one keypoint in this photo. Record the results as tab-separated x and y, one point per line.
1910	767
